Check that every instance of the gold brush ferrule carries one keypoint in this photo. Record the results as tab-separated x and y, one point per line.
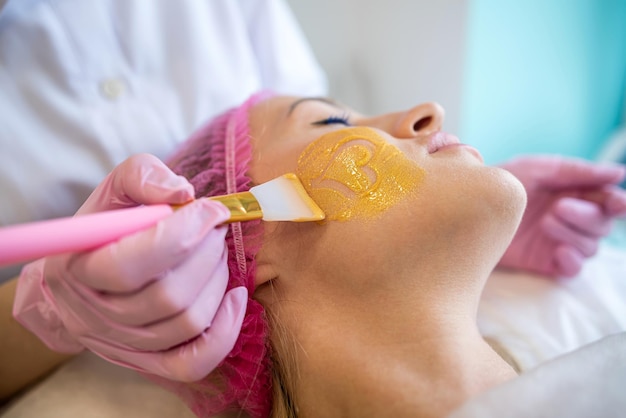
242	206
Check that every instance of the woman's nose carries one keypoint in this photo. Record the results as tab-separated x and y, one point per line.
419	120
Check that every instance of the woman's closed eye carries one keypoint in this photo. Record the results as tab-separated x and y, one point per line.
341	119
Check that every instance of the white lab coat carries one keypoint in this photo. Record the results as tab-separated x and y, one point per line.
85	84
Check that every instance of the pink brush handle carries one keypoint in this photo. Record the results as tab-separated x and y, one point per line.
39	239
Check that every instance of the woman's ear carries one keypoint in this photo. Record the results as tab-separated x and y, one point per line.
266	259
265	272
285	251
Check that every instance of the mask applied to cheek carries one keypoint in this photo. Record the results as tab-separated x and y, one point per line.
355	174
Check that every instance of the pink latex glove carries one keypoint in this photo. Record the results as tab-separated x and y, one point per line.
571	204
153	301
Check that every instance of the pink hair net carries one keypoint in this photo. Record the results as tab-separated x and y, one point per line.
215	160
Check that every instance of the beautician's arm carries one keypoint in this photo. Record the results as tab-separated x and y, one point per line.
23	357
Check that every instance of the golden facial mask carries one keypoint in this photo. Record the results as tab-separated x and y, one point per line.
355	173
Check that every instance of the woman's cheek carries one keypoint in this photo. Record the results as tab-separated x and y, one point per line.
354	173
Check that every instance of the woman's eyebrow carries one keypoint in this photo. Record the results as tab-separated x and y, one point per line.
317	99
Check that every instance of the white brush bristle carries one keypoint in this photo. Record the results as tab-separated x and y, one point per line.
284	199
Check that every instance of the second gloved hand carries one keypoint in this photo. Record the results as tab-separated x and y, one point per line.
571	205
154	301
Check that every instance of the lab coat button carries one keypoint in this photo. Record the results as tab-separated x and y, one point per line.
112	88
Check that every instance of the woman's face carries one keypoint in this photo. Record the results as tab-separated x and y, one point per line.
392	186
414	224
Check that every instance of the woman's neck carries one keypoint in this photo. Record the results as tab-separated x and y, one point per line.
423	358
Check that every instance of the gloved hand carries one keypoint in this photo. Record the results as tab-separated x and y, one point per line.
571	204
153	301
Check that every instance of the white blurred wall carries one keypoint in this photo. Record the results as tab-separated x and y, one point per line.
387	55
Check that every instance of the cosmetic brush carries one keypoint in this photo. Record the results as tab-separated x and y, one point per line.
280	199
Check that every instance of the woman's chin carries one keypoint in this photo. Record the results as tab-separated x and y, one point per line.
514	193
508	202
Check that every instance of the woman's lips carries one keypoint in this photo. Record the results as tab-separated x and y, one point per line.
440	140
443	140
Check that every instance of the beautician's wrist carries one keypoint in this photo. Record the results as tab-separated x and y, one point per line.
24	359
36	310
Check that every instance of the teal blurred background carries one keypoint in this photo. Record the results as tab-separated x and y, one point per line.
543	76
